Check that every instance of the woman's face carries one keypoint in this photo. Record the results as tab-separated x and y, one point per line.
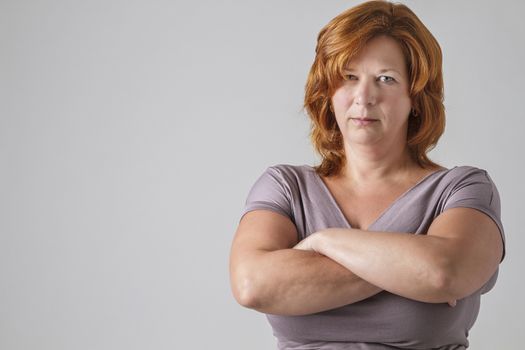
372	104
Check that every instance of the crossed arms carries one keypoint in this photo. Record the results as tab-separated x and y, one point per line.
273	273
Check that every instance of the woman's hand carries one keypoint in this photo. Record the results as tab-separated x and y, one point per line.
309	243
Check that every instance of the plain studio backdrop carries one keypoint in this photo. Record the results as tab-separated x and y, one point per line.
132	131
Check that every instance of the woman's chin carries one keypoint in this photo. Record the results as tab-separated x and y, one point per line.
364	139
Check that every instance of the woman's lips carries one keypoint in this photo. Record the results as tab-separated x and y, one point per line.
363	121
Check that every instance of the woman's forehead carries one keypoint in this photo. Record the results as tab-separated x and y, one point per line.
384	53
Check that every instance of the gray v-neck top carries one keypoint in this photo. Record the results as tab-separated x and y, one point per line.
385	320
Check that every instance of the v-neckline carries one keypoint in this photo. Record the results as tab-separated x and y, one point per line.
386	210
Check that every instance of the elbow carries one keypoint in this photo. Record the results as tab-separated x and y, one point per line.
245	295
245	291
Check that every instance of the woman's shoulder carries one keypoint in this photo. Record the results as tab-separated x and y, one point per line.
292	168
294	177
462	169
292	171
466	172
448	180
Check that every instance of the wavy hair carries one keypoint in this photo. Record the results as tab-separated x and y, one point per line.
341	40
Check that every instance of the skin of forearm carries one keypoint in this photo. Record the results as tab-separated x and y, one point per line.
296	282
412	266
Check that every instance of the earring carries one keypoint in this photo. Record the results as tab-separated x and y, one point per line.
414	112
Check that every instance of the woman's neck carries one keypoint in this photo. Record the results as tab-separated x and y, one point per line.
366	165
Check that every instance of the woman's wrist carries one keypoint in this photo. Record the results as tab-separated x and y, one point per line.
311	243
318	242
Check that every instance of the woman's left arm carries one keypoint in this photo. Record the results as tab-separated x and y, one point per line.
459	253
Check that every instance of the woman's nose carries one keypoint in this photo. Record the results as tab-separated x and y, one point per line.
365	93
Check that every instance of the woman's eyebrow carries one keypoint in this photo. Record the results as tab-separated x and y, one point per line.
389	70
383	70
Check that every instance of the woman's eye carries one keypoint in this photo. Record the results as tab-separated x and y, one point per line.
386	79
350	77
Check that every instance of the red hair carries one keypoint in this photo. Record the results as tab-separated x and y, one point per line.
341	40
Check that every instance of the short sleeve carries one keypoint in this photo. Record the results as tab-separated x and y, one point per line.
270	192
475	189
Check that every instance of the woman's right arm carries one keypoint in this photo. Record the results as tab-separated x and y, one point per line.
268	276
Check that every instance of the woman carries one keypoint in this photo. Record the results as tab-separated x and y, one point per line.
378	247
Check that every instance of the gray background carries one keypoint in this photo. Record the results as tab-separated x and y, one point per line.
131	132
